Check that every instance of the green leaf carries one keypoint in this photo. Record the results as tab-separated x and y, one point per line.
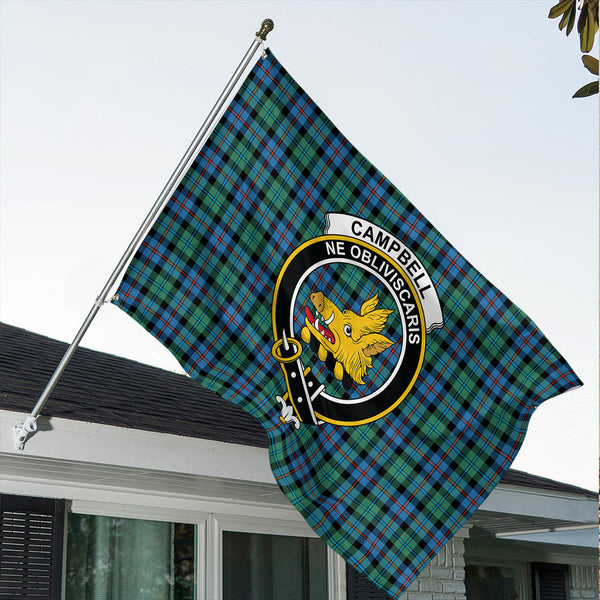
572	16
587	37
583	27
591	63
582	21
587	26
587	90
593	7
568	19
560	8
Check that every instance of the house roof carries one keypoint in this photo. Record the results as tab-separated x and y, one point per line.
522	479
97	387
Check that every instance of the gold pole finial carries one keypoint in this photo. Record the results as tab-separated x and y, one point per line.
265	27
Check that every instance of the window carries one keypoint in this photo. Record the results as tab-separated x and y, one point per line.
270	567
493	582
131	552
550	582
121	559
270	559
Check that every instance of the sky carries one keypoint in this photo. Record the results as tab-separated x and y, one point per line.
464	105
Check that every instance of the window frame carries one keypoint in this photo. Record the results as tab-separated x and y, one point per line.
150	513
209	538
218	523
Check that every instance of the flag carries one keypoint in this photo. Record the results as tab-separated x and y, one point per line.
394	381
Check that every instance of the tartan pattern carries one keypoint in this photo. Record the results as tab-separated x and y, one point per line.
389	494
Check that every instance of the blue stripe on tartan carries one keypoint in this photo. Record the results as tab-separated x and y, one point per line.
389	494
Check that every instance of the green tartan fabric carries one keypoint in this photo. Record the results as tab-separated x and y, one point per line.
252	249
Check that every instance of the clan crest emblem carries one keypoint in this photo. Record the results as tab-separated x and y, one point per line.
351	311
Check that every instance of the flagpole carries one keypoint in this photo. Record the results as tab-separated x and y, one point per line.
29	426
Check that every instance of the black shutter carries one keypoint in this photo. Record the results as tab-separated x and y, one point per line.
550	582
31	547
358	587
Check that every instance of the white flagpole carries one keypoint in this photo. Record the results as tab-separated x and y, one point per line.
23	430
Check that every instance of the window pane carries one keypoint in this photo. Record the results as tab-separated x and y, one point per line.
273	567
491	583
126	559
185	561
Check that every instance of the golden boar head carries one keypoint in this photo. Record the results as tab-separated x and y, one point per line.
353	339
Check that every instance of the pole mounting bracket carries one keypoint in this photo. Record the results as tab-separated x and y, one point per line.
23	430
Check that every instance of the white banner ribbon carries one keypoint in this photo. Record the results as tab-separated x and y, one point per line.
357	228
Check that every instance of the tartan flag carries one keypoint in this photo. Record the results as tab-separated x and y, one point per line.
289	276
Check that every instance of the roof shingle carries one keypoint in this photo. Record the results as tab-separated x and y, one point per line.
101	388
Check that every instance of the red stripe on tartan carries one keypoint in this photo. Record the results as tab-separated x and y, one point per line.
373	193
550	385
